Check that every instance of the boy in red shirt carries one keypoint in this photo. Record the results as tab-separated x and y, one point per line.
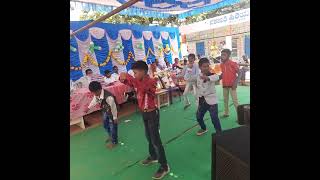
230	79
145	88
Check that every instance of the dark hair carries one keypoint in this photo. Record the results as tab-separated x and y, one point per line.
226	51
114	67
192	56
203	60
185	60
87	71
95	86
140	65
106	72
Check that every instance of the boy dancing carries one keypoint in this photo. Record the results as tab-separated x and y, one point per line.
145	88
192	71
108	105
207	97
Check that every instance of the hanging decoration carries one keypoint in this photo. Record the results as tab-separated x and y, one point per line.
148	53
142	43
87	58
75	68
167	49
130	56
140	46
73	49
160	47
118	47
92	47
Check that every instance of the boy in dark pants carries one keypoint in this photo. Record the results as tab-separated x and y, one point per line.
206	96
108	106
145	88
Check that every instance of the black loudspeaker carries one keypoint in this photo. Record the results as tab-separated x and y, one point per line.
231	154
243	112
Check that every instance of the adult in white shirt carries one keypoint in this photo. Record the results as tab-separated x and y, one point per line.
108	79
159	66
115	73
153	69
84	81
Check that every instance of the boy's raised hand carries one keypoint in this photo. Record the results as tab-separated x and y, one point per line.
122	76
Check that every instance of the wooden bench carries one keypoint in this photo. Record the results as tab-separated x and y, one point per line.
159	94
78	121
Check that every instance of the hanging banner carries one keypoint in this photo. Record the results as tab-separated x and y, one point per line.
216	22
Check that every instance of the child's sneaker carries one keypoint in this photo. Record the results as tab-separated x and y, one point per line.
162	171
111	145
149	161
225	115
201	132
108	140
186	106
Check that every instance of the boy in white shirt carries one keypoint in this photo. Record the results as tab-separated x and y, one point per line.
191	74
108	105
207	97
108	79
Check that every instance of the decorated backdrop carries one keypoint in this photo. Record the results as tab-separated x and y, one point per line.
106	45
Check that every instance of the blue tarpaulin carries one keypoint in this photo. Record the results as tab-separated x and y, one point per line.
154	8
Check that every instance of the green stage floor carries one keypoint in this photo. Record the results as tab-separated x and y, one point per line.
189	156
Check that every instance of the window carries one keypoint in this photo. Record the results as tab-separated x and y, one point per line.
234	53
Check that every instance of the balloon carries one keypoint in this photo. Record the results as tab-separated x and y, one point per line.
167	48
139	46
91	49
73	49
98	48
91	43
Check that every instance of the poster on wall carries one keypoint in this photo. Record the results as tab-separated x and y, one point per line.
191	48
215	46
184	50
229	43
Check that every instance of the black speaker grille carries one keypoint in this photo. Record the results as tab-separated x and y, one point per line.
229	167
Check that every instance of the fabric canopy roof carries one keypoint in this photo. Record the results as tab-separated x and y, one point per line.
154	8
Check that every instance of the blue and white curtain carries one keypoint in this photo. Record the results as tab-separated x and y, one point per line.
154	8
140	42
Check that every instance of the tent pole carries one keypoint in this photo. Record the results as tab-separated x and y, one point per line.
115	11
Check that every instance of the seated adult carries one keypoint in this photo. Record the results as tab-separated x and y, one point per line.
159	65
84	81
153	69
115	74
176	64
108	79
